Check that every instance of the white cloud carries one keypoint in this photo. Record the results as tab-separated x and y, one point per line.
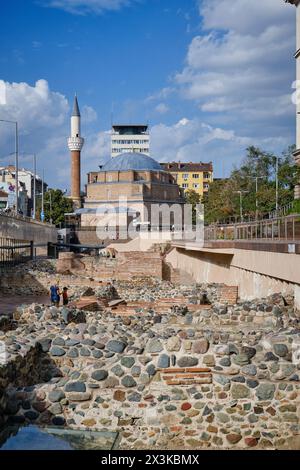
83	7
44	124
195	140
244	16
162	108
241	68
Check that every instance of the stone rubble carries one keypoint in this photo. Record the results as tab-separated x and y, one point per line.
213	376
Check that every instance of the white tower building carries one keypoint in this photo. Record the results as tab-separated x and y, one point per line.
75	144
297	57
128	138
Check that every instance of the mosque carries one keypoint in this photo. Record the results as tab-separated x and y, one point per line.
126	188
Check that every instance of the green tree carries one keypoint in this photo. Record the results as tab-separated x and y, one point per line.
60	205
258	168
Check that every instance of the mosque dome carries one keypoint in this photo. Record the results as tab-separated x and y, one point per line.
132	161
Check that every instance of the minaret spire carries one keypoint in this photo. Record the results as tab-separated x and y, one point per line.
75	144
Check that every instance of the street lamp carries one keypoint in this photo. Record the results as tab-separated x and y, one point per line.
34	182
256	178
17	159
241	202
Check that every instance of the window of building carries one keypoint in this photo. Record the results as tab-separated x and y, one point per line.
206	176
185	185
185	176
196	176
206	186
196	186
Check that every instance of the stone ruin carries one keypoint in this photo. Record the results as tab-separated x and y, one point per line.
157	364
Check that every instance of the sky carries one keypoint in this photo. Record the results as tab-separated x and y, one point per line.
211	77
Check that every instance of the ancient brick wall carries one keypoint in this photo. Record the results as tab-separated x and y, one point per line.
227	295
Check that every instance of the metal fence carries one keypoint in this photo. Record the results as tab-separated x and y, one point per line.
13	252
280	229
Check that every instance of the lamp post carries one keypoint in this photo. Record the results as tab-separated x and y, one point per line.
241	203
256	178
34	182
17	159
277	184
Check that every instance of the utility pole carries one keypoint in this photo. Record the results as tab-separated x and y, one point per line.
17	167
277	185
34	186
43	213
16	160
50	193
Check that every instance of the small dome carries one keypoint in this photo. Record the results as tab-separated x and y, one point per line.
132	161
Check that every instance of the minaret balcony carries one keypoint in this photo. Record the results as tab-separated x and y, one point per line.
75	144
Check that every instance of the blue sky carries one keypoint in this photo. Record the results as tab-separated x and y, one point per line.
210	76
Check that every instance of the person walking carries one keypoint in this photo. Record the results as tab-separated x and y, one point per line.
65	296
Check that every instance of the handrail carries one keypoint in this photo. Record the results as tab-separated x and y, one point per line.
281	229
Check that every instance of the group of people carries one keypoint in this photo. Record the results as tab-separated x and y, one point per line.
56	293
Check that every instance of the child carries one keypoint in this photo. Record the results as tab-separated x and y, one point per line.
65	296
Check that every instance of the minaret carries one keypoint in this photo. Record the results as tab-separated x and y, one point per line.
297	57
75	144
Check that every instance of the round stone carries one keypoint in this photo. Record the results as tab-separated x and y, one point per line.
239	391
233	438
241	359
75	387
134	397
117	370
128	381
249	370
281	350
119	395
151	370
154	346
57	351
85	352
116	346
225	362
99	375
269	356
73	353
173	344
58	421
97	354
200	346
186	406
127	362
58	341
187	361
163	361
252	383
31	415
56	395
265	391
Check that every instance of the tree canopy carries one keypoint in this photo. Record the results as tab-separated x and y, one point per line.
257	171
60	205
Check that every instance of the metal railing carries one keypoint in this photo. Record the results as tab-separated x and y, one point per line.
280	229
24	218
13	252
